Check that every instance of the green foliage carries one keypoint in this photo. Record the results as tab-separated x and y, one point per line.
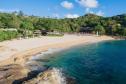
25	25
100	29
1	25
7	35
124	32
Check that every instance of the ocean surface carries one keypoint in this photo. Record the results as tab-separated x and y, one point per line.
98	63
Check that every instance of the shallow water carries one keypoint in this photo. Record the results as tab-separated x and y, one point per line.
99	63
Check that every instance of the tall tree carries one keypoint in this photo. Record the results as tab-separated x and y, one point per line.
99	30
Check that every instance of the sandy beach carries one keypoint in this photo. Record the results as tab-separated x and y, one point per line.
15	54
19	51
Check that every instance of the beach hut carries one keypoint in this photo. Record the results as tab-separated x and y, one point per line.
86	30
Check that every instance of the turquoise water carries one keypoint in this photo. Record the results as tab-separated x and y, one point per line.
99	63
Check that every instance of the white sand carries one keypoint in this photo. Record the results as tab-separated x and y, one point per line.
10	49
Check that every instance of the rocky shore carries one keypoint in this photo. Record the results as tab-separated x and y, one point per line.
10	73
16	74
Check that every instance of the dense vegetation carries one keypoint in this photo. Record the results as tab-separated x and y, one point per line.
115	25
8	35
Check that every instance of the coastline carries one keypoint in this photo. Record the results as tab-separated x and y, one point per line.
66	42
23	56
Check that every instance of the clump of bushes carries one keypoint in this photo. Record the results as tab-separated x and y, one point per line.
8	35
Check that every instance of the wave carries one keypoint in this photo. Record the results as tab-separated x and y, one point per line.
50	76
58	76
49	51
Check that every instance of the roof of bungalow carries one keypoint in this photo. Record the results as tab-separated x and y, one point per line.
84	28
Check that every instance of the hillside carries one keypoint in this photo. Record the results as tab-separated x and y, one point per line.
115	25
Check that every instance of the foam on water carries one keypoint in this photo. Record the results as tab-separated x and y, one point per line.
34	65
58	76
49	51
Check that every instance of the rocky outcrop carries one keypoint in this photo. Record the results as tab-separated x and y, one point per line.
17	74
52	76
10	73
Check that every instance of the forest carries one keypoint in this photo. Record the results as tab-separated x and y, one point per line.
115	25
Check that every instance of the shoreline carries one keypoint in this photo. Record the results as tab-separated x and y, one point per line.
19	59
44	54
23	56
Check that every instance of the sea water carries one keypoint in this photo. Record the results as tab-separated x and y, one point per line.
98	63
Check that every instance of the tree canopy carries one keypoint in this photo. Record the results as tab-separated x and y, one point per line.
115	25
